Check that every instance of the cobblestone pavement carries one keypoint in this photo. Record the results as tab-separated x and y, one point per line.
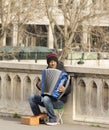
15	124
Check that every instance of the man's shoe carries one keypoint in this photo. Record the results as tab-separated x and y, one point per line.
51	123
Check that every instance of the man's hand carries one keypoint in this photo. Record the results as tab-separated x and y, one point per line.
61	89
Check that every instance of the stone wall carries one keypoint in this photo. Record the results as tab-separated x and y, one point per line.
88	101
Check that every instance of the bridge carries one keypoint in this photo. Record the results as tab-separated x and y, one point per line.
88	101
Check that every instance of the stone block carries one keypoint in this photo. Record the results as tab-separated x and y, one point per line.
32	120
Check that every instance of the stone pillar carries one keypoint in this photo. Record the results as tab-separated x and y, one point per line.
12	89
32	87
2	87
85	36
22	94
4	39
15	34
50	38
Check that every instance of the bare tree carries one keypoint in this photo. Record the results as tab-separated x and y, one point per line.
72	21
76	15
19	13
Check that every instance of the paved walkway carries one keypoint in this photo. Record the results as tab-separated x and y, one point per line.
15	124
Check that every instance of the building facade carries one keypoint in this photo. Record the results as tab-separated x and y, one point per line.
30	26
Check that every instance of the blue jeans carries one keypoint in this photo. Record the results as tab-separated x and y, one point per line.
47	102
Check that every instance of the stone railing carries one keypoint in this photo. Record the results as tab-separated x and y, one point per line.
88	101
17	82
90	94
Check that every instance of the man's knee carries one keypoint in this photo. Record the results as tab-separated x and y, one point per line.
46	99
30	98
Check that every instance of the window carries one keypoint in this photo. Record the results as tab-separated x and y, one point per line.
59	38
36	35
9	35
100	37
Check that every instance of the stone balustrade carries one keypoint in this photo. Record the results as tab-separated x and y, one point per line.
88	101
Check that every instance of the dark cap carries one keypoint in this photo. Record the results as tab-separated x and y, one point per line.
52	56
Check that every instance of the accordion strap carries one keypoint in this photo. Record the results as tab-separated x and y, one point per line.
66	86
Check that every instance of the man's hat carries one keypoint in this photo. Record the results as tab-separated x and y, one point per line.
52	56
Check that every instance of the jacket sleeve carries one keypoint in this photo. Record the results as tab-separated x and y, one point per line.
63	80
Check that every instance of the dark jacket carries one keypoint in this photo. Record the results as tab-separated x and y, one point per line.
68	90
60	66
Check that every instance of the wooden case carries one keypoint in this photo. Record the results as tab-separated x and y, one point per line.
32	120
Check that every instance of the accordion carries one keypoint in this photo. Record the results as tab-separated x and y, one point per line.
51	80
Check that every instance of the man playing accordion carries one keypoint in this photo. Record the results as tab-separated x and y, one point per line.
47	101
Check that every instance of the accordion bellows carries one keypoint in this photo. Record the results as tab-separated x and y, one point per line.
51	80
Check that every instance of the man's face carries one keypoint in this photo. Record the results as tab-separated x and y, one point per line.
53	64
